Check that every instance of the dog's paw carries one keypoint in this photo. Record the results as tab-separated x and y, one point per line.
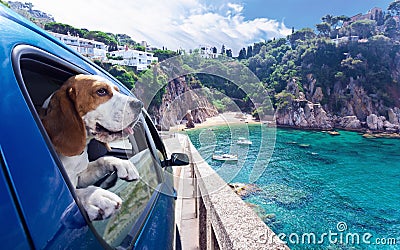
125	169
99	203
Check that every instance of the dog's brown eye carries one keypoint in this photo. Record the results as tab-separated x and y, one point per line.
102	92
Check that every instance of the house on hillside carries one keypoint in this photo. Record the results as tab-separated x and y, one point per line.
90	48
345	39
96	50
373	14
134	58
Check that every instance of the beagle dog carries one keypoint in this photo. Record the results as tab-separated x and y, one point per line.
87	107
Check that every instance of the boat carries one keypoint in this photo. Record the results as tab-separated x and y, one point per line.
333	133
225	157
243	141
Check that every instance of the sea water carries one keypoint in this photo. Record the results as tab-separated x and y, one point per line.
317	191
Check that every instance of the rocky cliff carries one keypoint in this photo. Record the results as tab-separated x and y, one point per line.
182	102
298	111
345	106
25	9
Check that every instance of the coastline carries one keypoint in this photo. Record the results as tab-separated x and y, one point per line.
366	133
226	118
235	118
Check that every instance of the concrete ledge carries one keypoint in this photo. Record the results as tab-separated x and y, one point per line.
225	221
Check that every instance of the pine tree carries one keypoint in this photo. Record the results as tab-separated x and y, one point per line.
242	54
249	51
229	53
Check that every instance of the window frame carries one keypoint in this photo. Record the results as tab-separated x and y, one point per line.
47	59
18	53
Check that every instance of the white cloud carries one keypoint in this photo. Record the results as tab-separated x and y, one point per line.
237	8
173	24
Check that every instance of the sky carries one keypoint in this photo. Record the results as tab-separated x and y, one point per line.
188	24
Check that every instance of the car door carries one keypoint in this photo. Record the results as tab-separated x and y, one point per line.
49	207
10	213
41	195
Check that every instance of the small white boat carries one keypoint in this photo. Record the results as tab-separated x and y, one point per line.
243	141
225	157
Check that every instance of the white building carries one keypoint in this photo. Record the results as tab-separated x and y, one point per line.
89	48
134	58
345	39
98	50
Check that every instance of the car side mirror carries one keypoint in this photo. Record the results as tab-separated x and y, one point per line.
178	159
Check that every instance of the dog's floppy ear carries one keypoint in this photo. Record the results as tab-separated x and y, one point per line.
63	124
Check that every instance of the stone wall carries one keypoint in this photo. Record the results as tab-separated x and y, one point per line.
225	221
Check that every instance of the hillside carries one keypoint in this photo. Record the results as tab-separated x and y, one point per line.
342	77
25	9
347	77
344	74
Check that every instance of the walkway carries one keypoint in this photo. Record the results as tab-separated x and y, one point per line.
185	206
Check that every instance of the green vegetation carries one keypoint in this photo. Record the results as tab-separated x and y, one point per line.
100	36
124	74
65	29
112	40
366	51
164	54
125	40
371	58
153	81
394	8
371	61
4	3
119	58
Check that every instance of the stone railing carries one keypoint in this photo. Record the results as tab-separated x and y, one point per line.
225	221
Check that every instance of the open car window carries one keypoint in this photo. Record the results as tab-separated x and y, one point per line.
121	229
40	74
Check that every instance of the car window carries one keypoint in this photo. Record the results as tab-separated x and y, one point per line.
39	76
157	140
135	195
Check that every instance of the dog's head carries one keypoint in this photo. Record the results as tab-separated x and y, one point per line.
87	107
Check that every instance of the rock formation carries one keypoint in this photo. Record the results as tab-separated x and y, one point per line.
358	111
350	122
189	118
177	100
300	112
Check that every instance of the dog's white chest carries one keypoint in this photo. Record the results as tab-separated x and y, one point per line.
73	165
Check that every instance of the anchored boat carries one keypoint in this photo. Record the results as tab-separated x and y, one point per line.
243	141
225	157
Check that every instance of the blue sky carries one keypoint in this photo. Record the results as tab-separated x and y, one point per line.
188	24
307	13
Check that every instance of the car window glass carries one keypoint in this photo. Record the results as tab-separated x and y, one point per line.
135	195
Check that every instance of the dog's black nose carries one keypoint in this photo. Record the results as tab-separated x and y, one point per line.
136	104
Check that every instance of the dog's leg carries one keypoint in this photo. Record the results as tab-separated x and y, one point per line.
99	203
104	165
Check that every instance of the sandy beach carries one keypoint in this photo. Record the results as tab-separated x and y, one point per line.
227	118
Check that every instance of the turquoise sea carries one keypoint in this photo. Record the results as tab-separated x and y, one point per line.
317	191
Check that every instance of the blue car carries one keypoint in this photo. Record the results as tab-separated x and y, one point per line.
38	206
